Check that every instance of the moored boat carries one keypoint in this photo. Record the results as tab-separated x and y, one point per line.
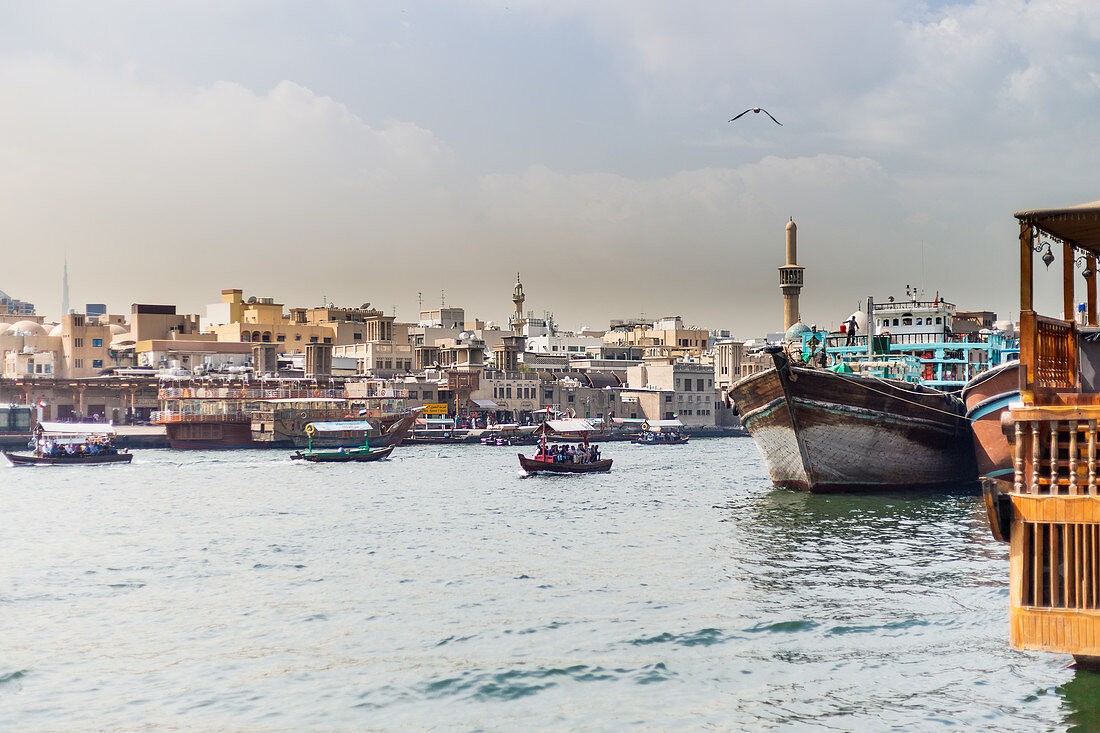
988	398
65	444
566	459
821	430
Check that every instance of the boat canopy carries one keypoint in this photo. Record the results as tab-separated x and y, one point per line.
338	426
1078	225
77	428
658	425
572	425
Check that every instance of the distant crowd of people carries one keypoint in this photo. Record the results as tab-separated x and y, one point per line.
93	446
570	454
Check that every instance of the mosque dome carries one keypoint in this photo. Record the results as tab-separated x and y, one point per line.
861	320
794	333
117	329
27	327
56	330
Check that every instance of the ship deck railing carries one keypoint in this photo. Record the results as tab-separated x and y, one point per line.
163	417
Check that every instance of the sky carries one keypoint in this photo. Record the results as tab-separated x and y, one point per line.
391	152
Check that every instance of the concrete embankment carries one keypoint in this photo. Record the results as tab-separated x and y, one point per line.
129	436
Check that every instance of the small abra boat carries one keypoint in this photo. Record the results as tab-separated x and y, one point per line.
557	459
343	454
661	432
66	444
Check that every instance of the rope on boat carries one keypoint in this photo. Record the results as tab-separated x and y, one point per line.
902	399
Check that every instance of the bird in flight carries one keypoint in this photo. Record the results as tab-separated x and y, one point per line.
758	110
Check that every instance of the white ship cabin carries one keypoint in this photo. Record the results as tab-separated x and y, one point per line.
914	321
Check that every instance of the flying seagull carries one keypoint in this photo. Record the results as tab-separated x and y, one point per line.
758	110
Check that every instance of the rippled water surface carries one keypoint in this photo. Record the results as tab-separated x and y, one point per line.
442	589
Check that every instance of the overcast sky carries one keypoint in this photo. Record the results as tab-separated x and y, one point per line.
370	151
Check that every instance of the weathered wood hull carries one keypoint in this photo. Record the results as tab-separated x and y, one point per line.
821	431
987	398
30	460
532	466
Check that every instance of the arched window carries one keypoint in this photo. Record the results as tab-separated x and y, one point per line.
895	321
245	336
938	319
920	321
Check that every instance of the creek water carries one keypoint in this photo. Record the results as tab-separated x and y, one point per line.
442	589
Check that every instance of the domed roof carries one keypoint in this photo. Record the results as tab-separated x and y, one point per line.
56	330
117	329
861	320
30	327
795	332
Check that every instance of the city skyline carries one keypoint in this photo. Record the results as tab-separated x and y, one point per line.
374	153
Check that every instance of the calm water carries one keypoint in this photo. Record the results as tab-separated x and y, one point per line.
442	590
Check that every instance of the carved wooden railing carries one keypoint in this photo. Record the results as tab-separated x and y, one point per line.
1048	346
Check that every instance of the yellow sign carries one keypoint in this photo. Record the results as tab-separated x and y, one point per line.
435	408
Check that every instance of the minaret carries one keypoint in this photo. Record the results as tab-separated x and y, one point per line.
508	351
65	288
790	278
517	299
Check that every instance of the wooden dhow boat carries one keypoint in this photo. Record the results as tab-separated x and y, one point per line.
821	430
547	461
67	444
988	398
343	454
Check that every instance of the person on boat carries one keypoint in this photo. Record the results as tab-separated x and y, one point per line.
850	331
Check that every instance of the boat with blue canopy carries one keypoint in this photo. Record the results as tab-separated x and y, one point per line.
345	453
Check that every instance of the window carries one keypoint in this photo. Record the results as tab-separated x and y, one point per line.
97	363
668	398
281	337
548	394
907	321
78	342
97	342
937	319
297	337
427	395
570	398
895	321
508	393
920	321
687	385
36	368
313	339
47	369
357	336
710	382
699	385
328	339
78	363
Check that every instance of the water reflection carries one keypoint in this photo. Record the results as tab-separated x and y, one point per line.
1081	702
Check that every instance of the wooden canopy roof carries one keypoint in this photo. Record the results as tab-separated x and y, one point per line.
1078	225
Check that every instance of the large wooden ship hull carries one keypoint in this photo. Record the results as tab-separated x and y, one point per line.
988	397
821	431
209	435
531	465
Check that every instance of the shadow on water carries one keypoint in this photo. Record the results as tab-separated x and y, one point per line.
1081	702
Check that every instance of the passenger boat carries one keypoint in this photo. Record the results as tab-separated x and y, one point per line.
544	460
510	434
661	432
988	397
64	444
1049	512
344	429
859	427
435	431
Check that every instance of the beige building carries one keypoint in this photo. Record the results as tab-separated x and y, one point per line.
666	337
727	362
687	390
